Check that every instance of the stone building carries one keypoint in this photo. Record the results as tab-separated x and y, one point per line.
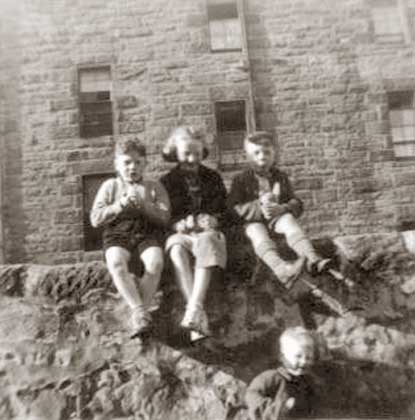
333	79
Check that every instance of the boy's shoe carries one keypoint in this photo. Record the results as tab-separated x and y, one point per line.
195	319
155	301
319	266
140	321
196	336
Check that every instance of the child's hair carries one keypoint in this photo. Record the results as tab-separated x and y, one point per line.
298	334
263	138
126	146
170	148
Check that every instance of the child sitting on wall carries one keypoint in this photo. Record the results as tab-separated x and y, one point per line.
198	199
288	391
263	200
131	209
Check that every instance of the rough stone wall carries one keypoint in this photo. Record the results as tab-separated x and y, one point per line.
12	214
319	80
65	351
162	73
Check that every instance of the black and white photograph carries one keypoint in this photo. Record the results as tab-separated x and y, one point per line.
207	209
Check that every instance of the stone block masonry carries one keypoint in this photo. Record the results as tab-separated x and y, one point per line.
318	75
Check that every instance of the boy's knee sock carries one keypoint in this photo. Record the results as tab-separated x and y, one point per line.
283	270
303	247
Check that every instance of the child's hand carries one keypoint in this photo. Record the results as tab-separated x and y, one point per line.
125	201
134	197
190	222
180	226
273	210
135	200
130	201
268	198
185	225
207	222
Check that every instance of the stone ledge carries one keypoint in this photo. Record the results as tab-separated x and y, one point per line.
63	337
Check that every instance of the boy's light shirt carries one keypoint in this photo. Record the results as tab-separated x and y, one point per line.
140	189
266	187
107	206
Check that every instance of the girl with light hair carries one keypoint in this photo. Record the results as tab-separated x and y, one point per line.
196	245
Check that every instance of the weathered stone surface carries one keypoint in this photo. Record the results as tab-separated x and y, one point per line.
65	350
86	366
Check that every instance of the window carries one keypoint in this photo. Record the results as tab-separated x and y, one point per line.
387	21
230	124
90	186
95	107
402	123
224	26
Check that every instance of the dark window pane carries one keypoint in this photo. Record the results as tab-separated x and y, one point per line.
231	141
230	116
95	107
103	107
230	124
95	96
90	186
401	100
222	11
96	119
96	130
402	123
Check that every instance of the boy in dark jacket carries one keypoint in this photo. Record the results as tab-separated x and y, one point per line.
288	391
198	202
264	201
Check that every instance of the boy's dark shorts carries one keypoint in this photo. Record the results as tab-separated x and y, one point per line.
135	243
131	235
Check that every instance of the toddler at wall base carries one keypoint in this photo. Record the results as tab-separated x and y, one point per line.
198	199
131	210
288	391
263	201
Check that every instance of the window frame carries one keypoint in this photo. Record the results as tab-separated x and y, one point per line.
392	141
82	103
210	9
402	14
223	134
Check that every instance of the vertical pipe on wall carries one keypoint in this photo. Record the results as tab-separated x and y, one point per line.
406	27
2	154
250	123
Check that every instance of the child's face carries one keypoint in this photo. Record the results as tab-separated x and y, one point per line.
260	156
130	166
189	152
298	357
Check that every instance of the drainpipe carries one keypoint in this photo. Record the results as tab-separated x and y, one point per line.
2	153
250	117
